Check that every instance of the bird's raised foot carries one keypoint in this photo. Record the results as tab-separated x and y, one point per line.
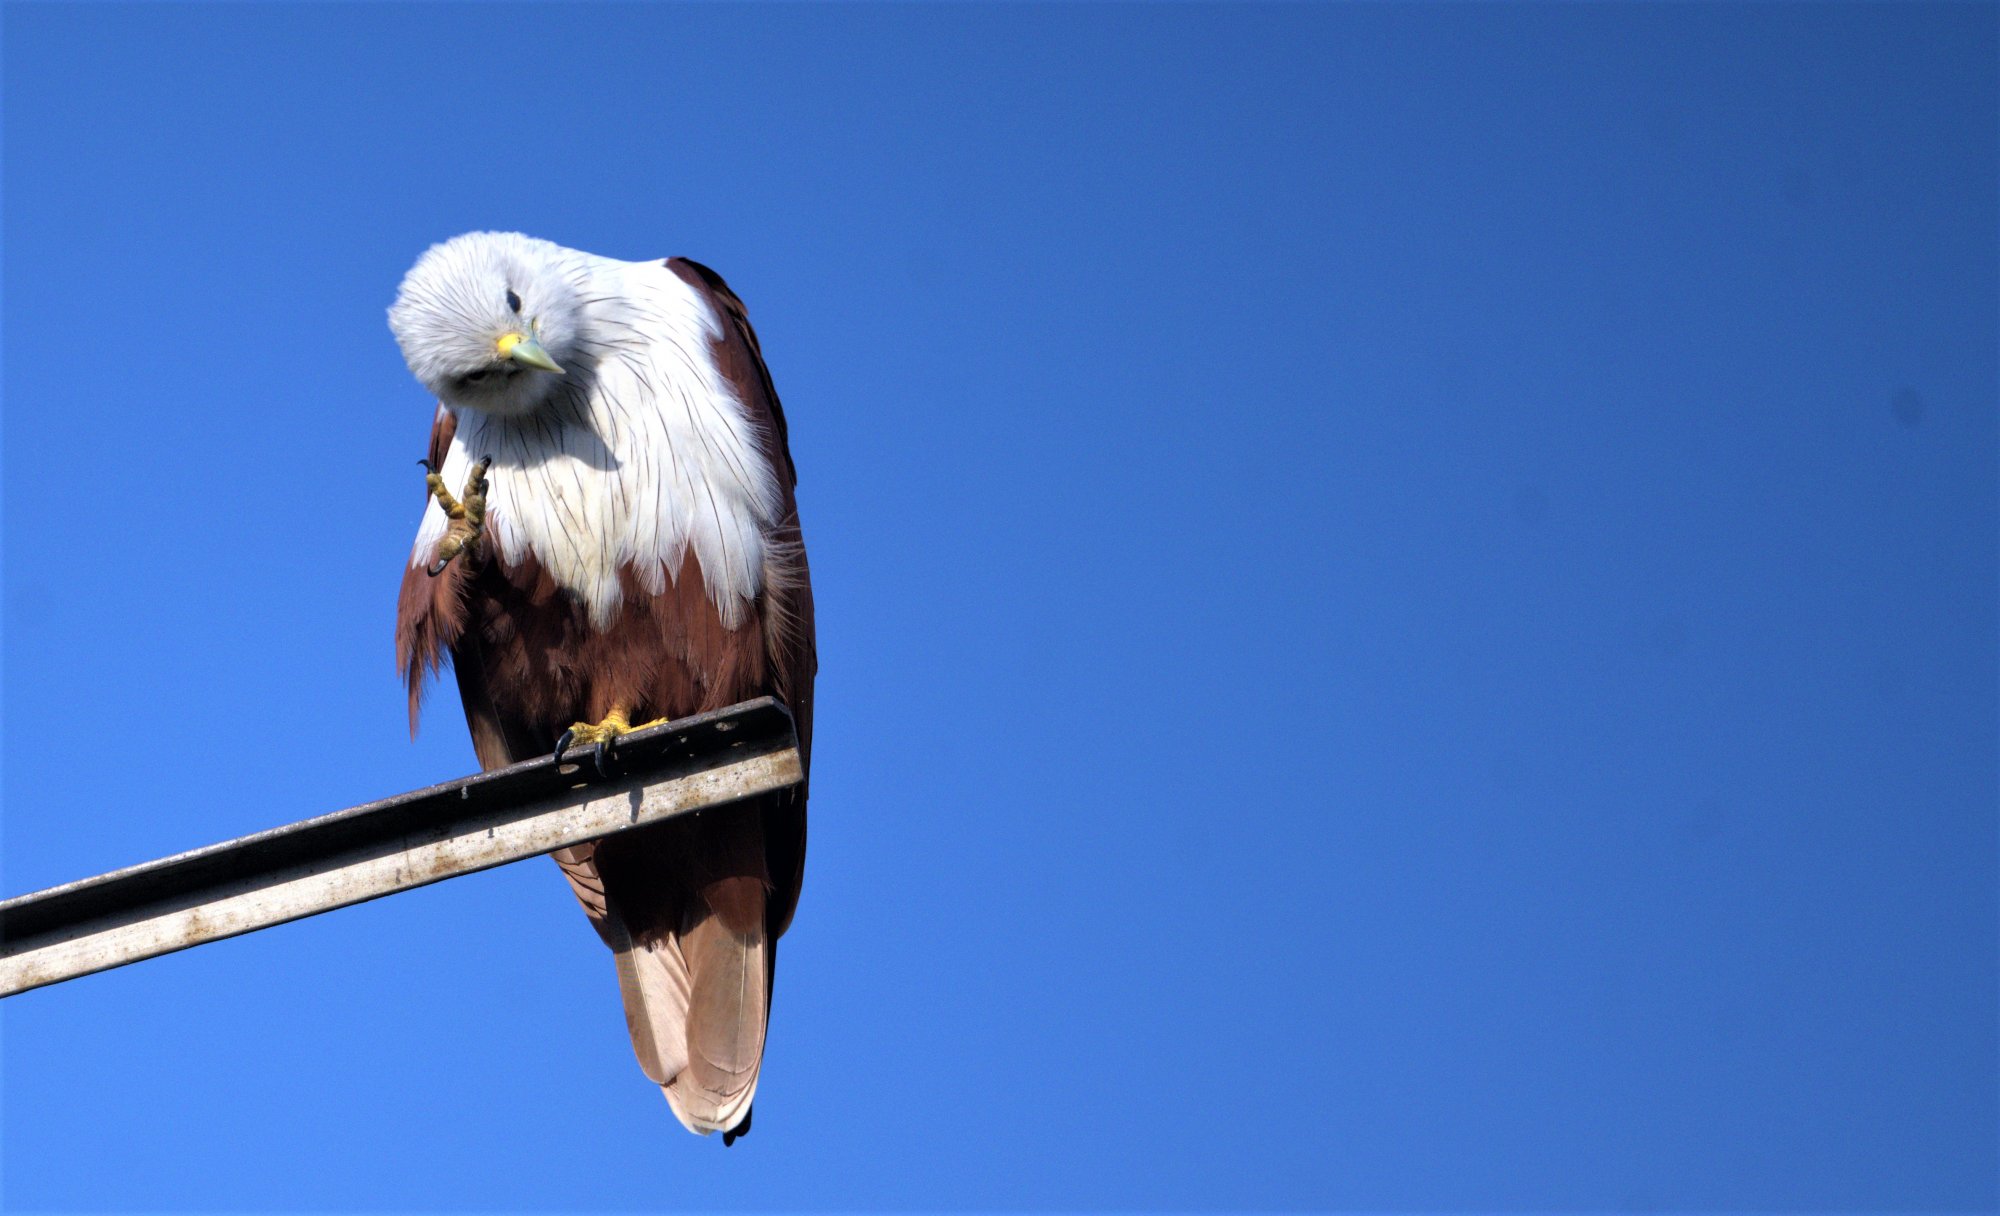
599	737
467	512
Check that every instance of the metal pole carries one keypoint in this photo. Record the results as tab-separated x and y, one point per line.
410	840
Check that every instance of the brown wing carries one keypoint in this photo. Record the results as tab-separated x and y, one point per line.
788	603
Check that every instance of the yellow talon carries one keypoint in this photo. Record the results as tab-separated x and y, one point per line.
600	734
467	514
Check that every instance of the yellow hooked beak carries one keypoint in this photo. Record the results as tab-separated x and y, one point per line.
523	349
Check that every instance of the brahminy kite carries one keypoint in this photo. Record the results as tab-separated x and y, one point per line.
624	547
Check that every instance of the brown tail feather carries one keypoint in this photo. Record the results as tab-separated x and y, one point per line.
694	969
729	971
653	979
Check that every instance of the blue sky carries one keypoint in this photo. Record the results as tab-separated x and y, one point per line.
1406	598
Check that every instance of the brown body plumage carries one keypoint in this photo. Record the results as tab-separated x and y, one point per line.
692	908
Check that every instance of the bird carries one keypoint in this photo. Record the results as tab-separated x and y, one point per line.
623	547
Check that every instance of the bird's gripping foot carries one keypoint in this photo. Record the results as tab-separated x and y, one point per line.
467	512
600	736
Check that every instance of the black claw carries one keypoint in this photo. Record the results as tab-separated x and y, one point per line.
601	754
739	1131
562	744
437	567
425	461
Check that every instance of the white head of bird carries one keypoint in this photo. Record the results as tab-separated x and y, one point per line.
489	321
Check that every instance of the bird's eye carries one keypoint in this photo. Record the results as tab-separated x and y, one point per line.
475	377
513	301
